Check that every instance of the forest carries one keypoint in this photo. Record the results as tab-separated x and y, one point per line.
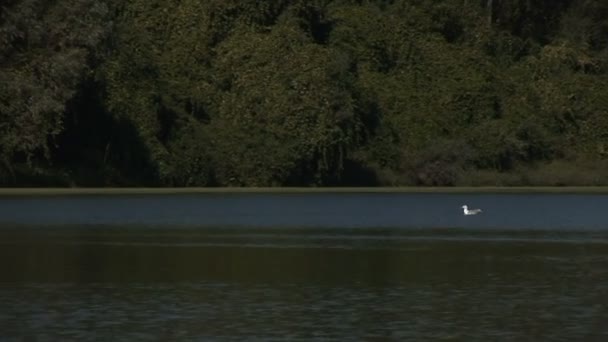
303	93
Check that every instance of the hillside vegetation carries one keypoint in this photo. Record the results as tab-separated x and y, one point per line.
303	92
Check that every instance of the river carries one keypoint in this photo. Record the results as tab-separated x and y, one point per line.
305	266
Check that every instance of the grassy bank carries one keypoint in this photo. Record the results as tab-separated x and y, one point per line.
195	190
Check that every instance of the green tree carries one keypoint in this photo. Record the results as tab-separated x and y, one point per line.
45	50
303	92
287	105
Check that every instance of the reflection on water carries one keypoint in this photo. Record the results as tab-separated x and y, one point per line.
118	277
219	310
173	285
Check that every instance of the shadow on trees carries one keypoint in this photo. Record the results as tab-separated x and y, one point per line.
98	149
356	173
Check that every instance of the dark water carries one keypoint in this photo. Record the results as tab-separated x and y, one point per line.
304	267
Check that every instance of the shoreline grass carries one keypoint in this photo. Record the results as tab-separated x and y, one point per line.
288	190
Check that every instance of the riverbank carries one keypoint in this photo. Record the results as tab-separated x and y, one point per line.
201	190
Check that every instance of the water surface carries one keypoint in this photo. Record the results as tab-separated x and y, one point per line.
397	210
304	267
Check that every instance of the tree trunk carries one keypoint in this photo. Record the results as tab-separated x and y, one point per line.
489	8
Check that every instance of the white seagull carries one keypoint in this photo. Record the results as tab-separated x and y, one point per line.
468	211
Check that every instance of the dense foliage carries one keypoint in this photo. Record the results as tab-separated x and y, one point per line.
303	92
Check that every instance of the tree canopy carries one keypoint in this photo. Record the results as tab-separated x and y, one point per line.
303	92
